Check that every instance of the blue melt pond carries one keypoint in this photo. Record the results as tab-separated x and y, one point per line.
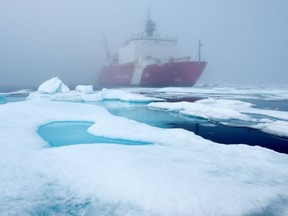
75	132
2	100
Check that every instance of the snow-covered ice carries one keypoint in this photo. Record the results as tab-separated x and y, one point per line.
84	88
211	109
52	86
229	92
55	89
180	174
87	96
221	110
224	110
279	128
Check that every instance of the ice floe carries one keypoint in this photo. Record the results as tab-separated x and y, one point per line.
112	94
229	92
55	89
272	121
104	94
279	128
181	174
210	109
84	88
52	86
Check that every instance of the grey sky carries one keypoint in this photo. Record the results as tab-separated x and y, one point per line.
245	41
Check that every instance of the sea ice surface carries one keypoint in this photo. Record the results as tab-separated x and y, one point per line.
229	92
55	89
180	174
222	110
85	95
279	128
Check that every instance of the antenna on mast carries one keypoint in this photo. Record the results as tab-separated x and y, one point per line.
199	50
149	25
148	15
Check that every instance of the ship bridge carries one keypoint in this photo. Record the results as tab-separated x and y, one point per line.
148	45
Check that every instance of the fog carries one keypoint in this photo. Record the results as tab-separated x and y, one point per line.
245	41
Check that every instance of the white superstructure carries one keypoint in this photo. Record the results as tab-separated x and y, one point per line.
148	47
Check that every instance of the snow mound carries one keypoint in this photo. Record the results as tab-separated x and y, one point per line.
52	86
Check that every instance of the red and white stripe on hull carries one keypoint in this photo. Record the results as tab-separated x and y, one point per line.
185	73
182	73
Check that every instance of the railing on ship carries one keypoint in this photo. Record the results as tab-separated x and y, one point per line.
155	38
155	60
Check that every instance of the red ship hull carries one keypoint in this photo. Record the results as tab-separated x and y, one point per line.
182	73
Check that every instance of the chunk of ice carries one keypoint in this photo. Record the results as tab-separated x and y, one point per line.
88	89
52	86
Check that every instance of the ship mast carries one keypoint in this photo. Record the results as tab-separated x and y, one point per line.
106	47
149	25
199	50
